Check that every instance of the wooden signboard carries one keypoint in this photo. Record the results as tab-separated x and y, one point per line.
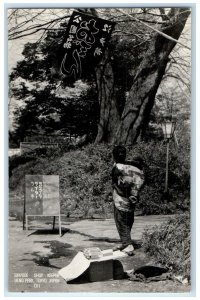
42	197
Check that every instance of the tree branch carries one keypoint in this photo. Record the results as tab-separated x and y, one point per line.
163	14
154	29
16	35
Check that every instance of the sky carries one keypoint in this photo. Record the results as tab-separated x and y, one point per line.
15	47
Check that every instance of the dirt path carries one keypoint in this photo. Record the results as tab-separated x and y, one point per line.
36	256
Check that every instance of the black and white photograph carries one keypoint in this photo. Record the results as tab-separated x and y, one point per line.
99	149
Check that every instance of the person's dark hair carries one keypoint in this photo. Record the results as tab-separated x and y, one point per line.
119	154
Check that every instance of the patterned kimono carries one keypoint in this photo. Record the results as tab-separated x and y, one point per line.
127	181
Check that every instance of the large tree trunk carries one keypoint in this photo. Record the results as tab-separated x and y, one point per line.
147	80
109	117
141	97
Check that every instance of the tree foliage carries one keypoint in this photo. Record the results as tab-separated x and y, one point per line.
48	105
127	66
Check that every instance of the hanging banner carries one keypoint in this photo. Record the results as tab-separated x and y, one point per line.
84	43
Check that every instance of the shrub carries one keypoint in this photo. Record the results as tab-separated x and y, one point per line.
85	178
151	199
169	244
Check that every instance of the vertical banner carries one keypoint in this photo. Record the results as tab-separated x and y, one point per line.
84	43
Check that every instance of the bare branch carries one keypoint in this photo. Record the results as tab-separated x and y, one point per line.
175	76
15	34
163	14
154	29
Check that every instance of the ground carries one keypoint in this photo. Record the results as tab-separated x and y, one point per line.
36	256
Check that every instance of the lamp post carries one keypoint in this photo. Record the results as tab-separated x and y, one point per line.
168	127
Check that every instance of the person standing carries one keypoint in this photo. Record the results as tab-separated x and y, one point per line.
127	181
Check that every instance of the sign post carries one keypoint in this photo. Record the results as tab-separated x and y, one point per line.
42	197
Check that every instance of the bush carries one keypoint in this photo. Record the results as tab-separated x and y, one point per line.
85	178
15	161
151	198
169	244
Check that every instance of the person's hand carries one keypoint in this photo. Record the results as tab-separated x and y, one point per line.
123	184
133	199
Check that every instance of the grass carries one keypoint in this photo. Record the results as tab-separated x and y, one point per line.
169	244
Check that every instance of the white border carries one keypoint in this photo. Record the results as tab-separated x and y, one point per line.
195	141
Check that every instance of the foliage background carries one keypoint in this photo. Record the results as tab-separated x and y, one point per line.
169	245
85	177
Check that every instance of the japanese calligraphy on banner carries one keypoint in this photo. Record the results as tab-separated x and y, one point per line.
42	195
84	43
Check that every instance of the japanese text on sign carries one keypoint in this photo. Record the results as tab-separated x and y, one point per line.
85	40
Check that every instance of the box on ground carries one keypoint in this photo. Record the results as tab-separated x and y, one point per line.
100	270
